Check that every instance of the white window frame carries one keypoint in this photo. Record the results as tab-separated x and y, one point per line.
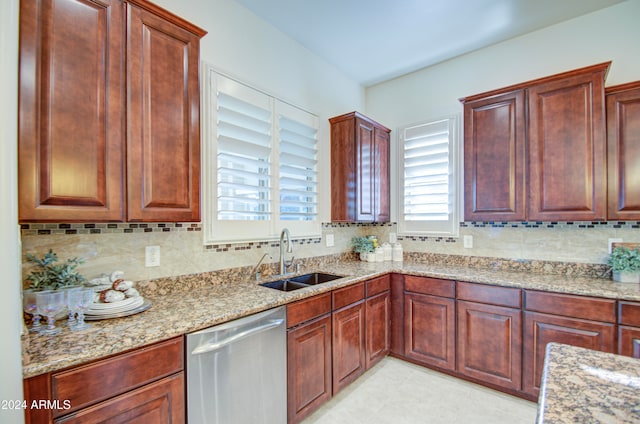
237	231
430	228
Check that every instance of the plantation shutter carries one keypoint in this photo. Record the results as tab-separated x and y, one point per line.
428	195
243	128
297	133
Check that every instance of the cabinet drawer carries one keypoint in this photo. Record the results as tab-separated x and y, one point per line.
159	402
347	295
493	295
431	286
86	385
378	285
590	308
629	313
307	309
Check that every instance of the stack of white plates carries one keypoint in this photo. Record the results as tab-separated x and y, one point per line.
122	308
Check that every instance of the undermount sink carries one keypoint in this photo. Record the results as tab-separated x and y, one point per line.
301	281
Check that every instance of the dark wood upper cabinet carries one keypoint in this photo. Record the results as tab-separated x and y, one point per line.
92	75
623	143
567	147
163	120
537	150
71	125
494	157
359	169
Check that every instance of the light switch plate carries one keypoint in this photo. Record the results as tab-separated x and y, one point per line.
468	242
152	256
329	240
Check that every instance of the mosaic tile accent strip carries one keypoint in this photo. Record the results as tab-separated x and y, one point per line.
551	224
356	224
107	228
426	238
227	247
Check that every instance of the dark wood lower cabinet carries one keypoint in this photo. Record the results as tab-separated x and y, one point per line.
429	331
540	329
348	345
490	343
159	402
145	385
629	329
309	367
629	341
308	356
377	317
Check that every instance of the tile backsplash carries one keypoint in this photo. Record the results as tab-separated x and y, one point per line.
108	247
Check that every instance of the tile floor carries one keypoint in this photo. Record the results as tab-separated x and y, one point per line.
398	392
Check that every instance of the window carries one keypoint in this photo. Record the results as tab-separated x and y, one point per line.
428	202
260	164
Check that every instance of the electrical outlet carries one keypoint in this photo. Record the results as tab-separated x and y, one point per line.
613	240
468	242
152	256
329	240
392	238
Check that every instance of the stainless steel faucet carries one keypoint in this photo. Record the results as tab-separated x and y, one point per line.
255	271
284	234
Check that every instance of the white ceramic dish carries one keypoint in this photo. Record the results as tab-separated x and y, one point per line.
143	307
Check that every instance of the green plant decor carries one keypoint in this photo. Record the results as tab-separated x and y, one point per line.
623	259
362	244
52	276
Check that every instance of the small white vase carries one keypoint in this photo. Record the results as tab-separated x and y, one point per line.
626	277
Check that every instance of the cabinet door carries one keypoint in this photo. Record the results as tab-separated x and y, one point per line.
490	344
71	128
494	158
348	345
159	402
623	141
381	175
567	148
540	329
429	330
378	317
365	176
309	367
163	122
629	341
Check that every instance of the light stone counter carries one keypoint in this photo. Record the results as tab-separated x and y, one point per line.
188	303
586	386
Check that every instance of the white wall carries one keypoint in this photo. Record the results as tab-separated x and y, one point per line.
251	50
10	303
245	47
611	34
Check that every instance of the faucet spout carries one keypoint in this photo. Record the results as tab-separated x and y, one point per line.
254	271
284	234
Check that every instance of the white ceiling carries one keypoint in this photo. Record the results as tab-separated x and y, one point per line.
376	40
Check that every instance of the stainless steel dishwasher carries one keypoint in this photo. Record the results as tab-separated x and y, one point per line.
237	371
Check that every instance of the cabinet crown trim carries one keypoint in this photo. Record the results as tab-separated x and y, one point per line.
358	115
165	14
600	67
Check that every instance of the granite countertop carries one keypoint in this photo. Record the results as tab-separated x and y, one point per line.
586	386
185	308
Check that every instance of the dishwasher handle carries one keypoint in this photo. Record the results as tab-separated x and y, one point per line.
212	346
